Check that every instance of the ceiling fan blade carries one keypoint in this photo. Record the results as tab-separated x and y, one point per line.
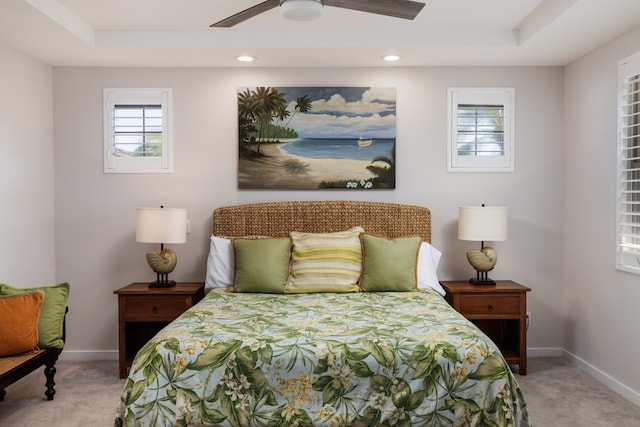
247	13
404	9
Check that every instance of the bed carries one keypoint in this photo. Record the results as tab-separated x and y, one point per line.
383	354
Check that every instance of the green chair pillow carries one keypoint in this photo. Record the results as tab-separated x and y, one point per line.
54	306
389	265
261	265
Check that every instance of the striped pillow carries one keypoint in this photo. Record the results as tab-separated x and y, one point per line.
325	262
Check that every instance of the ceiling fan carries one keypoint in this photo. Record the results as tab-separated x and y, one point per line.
309	9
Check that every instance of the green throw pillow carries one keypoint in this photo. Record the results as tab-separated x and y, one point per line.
390	265
54	306
261	265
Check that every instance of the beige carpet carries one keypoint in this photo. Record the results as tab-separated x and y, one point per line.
87	394
558	394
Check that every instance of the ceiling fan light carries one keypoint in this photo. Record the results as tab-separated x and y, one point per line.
301	10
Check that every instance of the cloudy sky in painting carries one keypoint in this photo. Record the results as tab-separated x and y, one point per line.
344	112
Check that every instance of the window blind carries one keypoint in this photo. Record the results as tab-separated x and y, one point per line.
628	219
480	130
138	130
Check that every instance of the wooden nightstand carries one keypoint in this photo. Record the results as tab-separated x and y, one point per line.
500	311
143	311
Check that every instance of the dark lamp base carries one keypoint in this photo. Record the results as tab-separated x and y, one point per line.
482	279
162	281
482	282
166	284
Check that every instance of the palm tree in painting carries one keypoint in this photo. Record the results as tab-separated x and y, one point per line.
265	102
302	105
280	114
244	104
246	119
385	175
260	110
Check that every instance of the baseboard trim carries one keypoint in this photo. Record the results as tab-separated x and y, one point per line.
89	355
615	385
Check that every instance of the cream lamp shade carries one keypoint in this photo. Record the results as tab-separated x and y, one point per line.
480	224
161	225
301	10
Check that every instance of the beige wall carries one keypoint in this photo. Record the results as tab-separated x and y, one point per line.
601	330
96	248
27	247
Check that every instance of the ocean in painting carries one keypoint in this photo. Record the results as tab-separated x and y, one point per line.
318	148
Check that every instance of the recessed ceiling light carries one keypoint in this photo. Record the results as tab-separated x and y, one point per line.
391	57
246	58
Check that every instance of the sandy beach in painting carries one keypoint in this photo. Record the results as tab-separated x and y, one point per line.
279	170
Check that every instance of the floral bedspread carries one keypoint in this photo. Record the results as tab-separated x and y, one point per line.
357	359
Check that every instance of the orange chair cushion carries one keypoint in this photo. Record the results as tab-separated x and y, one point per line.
19	316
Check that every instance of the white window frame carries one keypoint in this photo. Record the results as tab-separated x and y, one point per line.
628	166
151	96
502	96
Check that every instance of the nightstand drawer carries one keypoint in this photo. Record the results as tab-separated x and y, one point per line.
494	305
153	308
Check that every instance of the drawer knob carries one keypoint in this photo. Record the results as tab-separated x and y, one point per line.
490	307
155	310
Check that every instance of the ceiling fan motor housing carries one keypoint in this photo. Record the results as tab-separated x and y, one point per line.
301	10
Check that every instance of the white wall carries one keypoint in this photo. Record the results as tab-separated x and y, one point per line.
96	248
27	251
601	329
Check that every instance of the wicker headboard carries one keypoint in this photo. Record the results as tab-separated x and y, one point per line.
277	219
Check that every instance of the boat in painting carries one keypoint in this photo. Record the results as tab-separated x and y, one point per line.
363	142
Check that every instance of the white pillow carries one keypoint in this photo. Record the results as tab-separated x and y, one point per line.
428	260
219	264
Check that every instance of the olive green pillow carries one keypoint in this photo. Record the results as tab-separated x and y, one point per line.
54	306
261	265
390	265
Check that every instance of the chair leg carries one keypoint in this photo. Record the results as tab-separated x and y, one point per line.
2	393
50	372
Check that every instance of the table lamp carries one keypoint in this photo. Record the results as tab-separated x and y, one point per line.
161	225
482	223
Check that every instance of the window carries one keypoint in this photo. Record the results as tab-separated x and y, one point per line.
480	123
137	136
628	177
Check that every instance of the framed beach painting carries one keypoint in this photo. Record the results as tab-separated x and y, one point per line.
316	138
